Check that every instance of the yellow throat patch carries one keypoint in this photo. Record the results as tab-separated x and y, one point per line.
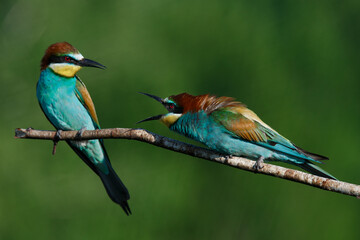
64	69
170	118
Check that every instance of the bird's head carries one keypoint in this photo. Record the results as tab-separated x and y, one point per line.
178	105
175	110
66	60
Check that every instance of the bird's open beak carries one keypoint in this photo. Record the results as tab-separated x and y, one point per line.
157	117
159	99
90	63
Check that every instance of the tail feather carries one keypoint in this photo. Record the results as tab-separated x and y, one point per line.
313	169
116	189
113	185
314	156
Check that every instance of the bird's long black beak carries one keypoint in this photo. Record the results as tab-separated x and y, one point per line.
159	99
90	63
157	117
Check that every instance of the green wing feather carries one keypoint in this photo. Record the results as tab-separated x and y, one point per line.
246	125
84	97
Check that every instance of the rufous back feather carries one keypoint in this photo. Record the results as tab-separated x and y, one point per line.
206	102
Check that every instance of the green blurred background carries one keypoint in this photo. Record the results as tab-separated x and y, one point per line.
295	63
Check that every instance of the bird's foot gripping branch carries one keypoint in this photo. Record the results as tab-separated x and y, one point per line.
188	149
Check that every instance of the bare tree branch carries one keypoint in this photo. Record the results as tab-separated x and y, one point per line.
177	146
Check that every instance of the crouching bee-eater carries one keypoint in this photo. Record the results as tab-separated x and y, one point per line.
229	127
67	104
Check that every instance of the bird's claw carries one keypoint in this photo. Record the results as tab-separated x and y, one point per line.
80	133
259	164
227	157
56	139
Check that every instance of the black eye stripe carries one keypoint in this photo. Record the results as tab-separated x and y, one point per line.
172	107
62	59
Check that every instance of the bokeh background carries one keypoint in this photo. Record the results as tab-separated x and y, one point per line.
295	63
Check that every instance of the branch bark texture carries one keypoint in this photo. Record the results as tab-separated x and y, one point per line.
185	148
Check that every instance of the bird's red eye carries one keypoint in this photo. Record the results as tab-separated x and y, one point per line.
171	106
67	59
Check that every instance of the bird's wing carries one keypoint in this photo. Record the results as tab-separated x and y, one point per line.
84	97
245	124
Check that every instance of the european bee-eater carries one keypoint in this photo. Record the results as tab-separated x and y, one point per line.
229	127
67	104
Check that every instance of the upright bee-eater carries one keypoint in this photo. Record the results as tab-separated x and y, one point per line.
67	104
229	127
